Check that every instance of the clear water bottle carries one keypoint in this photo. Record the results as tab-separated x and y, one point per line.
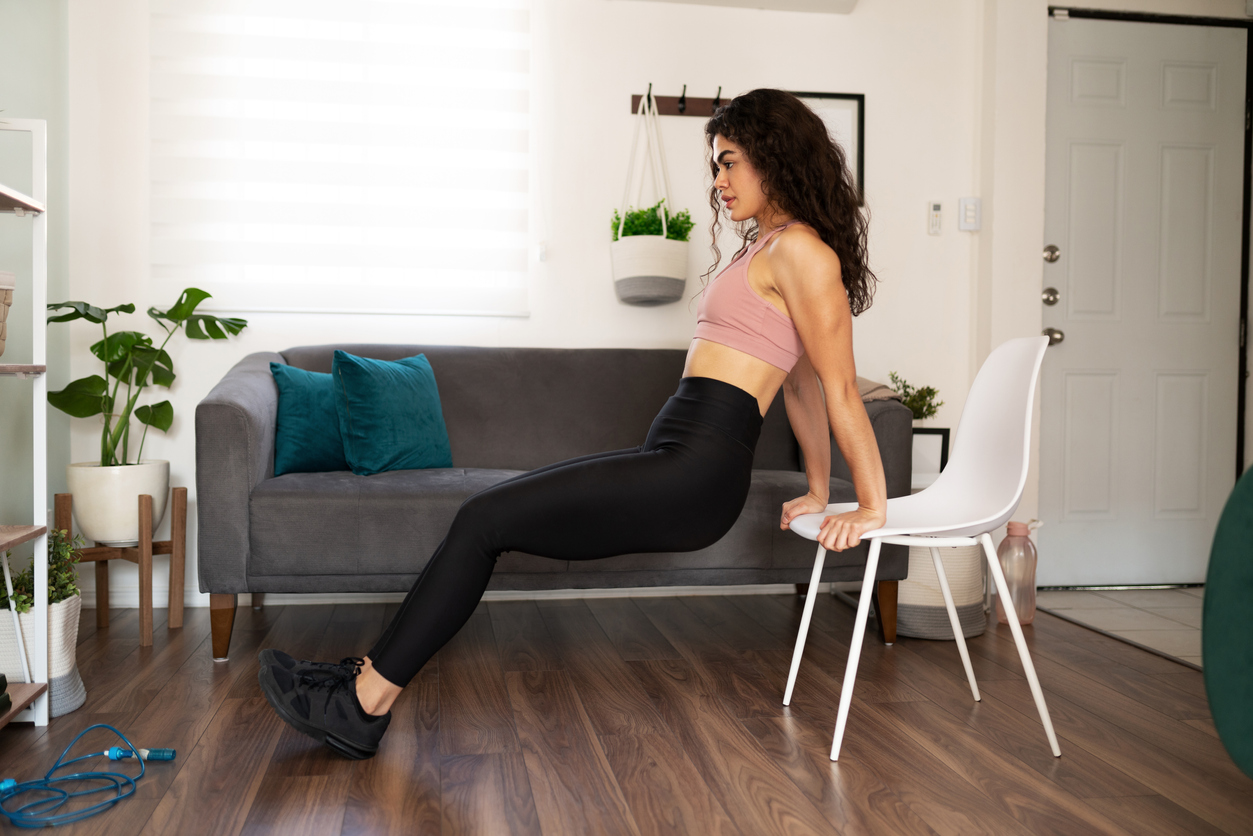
1018	558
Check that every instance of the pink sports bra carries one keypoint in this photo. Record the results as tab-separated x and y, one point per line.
732	314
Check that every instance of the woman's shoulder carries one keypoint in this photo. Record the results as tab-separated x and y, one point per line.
800	246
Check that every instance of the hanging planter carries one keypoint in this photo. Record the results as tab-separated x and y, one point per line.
649	247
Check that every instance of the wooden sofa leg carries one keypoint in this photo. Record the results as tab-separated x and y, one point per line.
221	620
885	608
258	600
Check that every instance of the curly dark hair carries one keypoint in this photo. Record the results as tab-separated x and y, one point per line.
803	172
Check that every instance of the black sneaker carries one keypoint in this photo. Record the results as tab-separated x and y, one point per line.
271	656
322	703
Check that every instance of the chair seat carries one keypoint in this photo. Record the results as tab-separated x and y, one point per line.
928	512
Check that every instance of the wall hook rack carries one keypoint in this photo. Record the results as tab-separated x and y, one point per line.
680	105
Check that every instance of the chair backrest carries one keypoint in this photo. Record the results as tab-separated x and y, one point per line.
987	467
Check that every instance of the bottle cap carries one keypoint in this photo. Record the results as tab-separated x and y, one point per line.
1017	529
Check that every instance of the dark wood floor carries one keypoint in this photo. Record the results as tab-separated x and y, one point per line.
656	715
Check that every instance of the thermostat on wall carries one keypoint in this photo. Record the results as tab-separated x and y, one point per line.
933	218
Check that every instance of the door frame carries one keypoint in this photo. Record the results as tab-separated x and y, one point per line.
1228	23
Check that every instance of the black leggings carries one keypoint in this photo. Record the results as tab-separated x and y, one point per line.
681	491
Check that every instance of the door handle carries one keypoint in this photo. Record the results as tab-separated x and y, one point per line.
1055	336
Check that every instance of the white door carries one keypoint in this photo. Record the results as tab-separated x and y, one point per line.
1145	160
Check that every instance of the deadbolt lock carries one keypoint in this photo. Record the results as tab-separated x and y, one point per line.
1050	295
1051	253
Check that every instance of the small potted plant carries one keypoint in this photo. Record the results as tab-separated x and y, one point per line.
649	253
921	401
65	687
106	491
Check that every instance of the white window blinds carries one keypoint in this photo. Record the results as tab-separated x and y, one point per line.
370	155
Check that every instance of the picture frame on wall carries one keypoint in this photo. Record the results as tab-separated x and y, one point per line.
845	118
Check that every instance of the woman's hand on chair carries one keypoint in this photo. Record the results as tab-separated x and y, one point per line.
807	504
843	531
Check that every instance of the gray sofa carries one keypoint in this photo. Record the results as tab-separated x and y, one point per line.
507	410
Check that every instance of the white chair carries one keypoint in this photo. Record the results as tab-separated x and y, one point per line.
977	493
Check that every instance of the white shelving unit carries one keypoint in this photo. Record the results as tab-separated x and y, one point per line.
35	528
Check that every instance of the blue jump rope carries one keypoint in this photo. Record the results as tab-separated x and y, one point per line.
41	812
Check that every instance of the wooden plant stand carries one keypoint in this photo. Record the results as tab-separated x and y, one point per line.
141	556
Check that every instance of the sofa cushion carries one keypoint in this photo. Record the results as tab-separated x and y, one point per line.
343	524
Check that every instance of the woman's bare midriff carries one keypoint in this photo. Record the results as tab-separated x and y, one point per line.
730	365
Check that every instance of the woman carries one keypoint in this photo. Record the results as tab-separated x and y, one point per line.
780	315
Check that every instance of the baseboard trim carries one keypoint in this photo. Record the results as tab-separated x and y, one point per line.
130	597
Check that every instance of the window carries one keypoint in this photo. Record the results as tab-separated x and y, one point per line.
368	156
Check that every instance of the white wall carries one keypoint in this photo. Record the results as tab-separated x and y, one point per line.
955	107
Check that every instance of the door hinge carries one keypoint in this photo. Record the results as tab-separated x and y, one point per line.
1061	14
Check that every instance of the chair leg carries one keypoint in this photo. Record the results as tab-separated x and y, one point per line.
1002	589
804	630
854	649
955	622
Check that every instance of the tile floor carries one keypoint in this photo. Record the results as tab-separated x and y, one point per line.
1168	620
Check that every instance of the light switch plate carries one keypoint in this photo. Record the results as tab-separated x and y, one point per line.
970	214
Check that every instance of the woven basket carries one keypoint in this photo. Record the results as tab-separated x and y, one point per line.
7	285
649	269
66	691
920	603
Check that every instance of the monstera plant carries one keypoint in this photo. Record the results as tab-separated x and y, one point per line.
133	362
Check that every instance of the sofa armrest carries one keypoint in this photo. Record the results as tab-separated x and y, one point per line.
893	425
234	452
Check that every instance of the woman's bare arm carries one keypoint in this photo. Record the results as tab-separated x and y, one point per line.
806	274
807	413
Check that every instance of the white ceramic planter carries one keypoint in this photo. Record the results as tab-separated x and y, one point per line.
106	499
649	269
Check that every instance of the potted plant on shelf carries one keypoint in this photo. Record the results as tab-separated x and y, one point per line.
105	492
921	401
65	687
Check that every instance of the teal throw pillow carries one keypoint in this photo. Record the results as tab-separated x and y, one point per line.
389	414
306	435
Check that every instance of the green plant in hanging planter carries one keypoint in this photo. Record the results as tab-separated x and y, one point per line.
648	222
921	401
133	360
62	558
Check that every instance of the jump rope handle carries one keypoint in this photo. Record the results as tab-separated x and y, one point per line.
117	753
